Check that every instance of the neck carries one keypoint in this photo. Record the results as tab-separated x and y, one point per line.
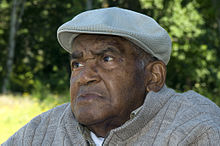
102	129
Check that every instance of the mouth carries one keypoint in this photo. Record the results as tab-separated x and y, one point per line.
89	96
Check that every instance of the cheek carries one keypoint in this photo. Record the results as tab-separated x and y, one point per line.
118	83
73	88
125	82
73	78
72	97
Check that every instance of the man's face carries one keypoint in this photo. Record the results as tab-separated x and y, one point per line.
107	80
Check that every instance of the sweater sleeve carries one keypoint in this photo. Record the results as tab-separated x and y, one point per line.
25	132
41	128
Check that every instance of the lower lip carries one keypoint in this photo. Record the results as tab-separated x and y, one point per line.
88	97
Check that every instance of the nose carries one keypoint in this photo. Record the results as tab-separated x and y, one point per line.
89	74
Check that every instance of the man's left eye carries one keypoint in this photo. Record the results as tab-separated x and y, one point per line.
76	65
107	58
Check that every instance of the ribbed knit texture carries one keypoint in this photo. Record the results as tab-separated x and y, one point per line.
166	118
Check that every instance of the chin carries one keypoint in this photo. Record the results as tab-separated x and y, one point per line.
89	120
86	117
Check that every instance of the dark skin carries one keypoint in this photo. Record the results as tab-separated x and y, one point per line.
108	81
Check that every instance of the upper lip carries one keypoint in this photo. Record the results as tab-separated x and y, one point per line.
90	94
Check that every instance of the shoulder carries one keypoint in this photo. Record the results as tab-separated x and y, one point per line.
38	125
192	101
191	105
196	119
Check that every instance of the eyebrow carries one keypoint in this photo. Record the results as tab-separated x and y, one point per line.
76	55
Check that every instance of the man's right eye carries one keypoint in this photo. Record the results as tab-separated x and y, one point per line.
76	65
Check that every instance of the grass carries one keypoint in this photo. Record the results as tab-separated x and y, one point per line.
16	111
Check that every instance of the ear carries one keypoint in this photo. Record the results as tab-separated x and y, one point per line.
155	76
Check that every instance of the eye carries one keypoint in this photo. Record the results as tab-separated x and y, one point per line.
76	65
107	58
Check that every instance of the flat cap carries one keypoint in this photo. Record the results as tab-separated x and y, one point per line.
140	29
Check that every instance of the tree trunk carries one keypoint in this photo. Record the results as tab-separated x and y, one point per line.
105	3
88	4
216	5
14	24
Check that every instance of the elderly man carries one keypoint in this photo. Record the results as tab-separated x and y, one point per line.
117	88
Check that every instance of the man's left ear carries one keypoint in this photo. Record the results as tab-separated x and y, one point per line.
155	76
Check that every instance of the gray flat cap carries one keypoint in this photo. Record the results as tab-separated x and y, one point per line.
140	29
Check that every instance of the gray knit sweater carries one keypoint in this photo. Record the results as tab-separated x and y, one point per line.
166	118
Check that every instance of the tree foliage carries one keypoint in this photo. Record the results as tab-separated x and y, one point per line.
41	64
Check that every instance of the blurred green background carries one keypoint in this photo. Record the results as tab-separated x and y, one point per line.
34	69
